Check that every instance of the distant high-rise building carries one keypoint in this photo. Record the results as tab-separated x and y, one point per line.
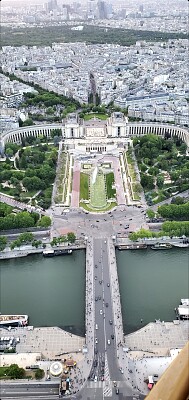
91	9
141	8
52	5
102	10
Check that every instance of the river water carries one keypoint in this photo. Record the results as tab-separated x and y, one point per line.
151	284
52	290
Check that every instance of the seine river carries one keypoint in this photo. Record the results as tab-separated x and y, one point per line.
52	290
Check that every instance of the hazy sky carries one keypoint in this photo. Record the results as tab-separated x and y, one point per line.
124	2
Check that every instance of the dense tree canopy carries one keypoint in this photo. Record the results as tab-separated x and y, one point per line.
163	165
90	34
175	212
15	372
22	219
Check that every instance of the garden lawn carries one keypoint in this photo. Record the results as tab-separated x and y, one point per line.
109	182
95	115
98	192
84	186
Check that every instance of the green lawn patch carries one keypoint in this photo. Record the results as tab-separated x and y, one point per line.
84	186
28	194
88	207
87	117
109	182
98	192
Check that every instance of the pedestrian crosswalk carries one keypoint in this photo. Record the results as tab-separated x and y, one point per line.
107	389
105	385
92	384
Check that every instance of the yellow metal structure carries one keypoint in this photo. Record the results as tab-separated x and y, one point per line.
174	383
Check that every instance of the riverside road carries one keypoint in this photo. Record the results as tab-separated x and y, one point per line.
29	390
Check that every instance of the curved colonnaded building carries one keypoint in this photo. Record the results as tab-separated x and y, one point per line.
95	135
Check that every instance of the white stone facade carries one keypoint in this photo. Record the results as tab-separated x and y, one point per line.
95	135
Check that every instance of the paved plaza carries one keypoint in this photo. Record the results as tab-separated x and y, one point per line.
50	341
75	184
159	337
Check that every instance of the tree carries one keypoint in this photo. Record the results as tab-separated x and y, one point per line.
27	122
13	146
3	242
177	200
9	153
33	183
44	222
143	168
36	243
150	213
62	239
147	181
56	132
15	243
5	209
24	220
50	111
160	181
15	372
26	237
71	237
142	233
39	373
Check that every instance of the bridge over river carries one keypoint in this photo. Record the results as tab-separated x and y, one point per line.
106	361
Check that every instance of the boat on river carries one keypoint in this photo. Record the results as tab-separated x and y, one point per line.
181	245
161	246
138	246
183	309
59	252
14	320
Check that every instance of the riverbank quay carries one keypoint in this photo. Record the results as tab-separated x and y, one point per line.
124	243
151	349
49	342
27	250
158	338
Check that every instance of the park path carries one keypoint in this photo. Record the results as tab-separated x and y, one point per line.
118	182
75	184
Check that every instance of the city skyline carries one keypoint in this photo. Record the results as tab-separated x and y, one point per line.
114	2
